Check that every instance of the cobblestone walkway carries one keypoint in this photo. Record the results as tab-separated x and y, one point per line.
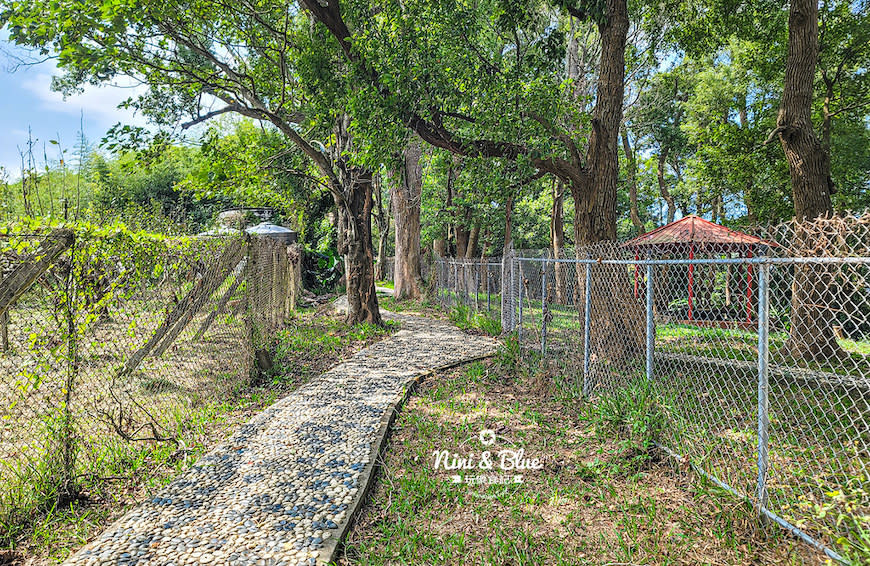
285	483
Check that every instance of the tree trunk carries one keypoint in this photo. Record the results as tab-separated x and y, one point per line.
473	237
595	195
749	190
508	286
355	244
617	318
557	239
809	165
439	246
632	183
462	234
381	265
383	223
407	189
663	186
355	230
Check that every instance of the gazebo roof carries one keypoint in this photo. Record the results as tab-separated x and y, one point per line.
695	230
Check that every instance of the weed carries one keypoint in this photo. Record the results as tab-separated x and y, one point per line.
636	413
465	319
844	506
509	354
488	325
460	315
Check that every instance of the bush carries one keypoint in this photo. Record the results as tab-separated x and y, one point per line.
509	354
460	315
463	317
636	414
488	325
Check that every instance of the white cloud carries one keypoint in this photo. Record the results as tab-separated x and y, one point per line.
98	103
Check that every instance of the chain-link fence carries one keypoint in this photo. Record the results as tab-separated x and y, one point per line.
759	350
476	283
112	341
390	269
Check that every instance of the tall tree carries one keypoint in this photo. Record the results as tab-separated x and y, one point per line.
382	221
634	213
406	188
809	167
425	81
595	194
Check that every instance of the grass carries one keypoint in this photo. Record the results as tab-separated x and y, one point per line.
592	502
112	475
726	344
466	319
421	306
312	343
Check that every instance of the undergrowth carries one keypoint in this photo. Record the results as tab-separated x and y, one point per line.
636	415
586	505
466	319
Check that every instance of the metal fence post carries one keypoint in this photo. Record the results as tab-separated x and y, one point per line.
520	314
587	319
446	285
477	288
455	283
506	305
488	289
513	282
466	283
650	323
544	307
763	359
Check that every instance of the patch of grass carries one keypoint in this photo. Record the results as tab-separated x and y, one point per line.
636	415
417	306
466	319
386	284
579	508
313	343
861	347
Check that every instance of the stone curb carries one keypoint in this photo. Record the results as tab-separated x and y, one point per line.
331	548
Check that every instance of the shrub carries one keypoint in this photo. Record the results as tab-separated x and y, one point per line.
488	325
460	315
635	413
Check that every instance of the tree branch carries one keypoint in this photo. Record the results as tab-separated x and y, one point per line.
210	115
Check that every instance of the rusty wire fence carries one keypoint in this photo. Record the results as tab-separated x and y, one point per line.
112	342
760	356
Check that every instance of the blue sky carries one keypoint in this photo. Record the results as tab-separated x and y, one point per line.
26	100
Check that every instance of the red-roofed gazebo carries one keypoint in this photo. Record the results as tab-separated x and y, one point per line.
692	234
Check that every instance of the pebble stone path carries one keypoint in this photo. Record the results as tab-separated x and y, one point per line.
282	486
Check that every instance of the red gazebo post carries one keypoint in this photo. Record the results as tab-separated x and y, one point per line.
693	231
691	276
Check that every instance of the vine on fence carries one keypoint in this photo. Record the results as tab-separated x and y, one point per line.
116	338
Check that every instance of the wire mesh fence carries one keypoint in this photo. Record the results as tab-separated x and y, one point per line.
760	353
476	283
389	269
111	341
